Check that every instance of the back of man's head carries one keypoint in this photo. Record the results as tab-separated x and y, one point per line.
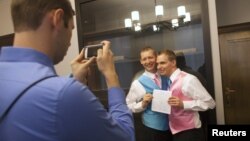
28	14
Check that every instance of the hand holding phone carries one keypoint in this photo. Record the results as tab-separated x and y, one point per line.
91	50
105	64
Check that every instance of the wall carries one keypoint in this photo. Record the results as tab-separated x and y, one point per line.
216	62
62	68
6	23
225	12
231	12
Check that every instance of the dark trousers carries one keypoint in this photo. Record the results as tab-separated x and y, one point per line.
157	135
190	135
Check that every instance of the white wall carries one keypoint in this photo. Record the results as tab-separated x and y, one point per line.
6	27
5	23
216	62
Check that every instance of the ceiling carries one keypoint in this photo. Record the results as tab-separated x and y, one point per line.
193	6
111	13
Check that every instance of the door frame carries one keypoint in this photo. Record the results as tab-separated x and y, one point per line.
234	28
6	40
230	29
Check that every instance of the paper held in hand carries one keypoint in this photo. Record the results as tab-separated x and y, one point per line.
160	101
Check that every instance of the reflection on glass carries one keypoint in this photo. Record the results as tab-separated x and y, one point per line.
181	10
159	10
135	15
187	17
112	20
128	23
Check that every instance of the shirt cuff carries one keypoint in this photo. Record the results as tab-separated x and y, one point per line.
116	95
141	108
187	105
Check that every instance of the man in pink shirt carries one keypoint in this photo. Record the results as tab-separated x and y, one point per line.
188	97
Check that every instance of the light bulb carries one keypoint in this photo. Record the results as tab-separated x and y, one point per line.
137	27
187	17
135	15
175	23
159	10
154	28
181	10
128	23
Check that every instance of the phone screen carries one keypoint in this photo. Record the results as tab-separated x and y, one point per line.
91	50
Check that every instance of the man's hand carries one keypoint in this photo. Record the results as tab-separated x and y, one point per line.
80	67
105	63
175	101
147	98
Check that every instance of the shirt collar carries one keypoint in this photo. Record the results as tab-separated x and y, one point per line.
150	74
175	74
12	54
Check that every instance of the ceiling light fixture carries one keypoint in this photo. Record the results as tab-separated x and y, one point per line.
183	19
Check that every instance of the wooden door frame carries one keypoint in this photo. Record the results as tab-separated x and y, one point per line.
7	40
230	29
234	28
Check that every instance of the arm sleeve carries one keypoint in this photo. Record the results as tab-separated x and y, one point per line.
134	97
81	116
201	99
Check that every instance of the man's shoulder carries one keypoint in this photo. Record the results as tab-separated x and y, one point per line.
138	74
135	82
64	83
58	87
188	78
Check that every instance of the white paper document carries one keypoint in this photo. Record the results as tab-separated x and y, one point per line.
160	101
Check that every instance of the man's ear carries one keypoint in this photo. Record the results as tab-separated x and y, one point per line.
58	17
174	62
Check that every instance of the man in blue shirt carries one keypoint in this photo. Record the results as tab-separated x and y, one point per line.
140	97
56	108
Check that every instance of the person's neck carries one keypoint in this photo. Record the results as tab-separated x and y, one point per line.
33	40
153	71
172	71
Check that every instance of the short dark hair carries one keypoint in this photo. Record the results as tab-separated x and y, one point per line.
171	55
28	14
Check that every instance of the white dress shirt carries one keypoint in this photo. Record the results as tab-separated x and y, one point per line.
136	93
193	88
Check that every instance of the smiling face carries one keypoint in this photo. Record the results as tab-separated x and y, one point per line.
148	60
166	63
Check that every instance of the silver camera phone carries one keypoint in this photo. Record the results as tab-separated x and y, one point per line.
91	50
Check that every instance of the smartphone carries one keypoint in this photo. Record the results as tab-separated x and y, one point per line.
91	50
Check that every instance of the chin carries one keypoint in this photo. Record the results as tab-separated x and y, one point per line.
57	61
151	70
161	73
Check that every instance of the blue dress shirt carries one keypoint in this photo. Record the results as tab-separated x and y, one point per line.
58	108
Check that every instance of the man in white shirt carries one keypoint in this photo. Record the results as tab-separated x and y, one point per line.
140	96
188	97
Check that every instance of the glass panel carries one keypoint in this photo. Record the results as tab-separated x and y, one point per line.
104	19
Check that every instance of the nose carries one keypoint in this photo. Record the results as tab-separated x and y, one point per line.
147	61
158	66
